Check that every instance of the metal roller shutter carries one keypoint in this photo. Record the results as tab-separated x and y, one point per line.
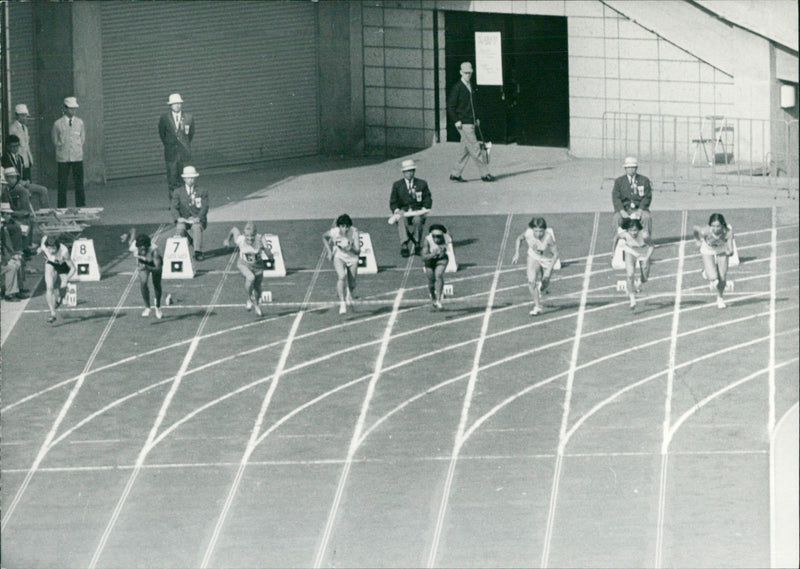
21	66
247	71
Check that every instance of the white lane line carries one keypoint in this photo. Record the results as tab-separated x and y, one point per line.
773	270
47	444
706	400
252	441
261	322
362	417
788	555
159	419
473	377
551	511
673	349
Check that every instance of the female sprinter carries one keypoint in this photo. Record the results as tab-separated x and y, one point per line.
253	253
59	267
542	257
716	245
343	245
637	246
435	259
150	264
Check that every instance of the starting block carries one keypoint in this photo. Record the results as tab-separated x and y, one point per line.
266	296
275	266
622	286
177	259
447	290
366	260
85	260
71	298
452	264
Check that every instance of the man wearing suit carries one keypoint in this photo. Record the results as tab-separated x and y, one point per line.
189	209
19	128
13	159
176	130
631	197
410	194
461	111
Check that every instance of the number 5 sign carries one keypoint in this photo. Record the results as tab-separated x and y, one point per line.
85	260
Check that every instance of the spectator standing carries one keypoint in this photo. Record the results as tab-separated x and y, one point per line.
13	159
69	136
190	210
461	111
176	130
631	197
19	128
409	195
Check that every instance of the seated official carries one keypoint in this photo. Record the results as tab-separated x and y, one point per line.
12	263
631	197
19	200
410	194
189	209
13	159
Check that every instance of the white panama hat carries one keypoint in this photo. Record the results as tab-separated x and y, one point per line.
189	172
408	165
174	98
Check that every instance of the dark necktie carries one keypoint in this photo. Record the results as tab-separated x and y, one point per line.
70	122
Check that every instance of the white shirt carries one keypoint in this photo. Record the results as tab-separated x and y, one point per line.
69	140
21	131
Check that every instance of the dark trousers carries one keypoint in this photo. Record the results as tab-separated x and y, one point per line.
64	169
174	171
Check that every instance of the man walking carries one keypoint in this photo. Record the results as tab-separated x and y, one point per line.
461	111
176	130
69	136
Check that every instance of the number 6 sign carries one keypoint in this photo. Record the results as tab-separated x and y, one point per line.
276	266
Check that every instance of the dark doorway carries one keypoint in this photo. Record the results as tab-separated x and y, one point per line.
532	106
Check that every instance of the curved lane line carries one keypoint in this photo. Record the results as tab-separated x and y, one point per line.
248	451
362	416
47	444
473	378
159	419
250	324
673	349
573	362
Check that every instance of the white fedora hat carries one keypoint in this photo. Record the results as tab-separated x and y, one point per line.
71	102
630	162
21	109
408	165
189	172
174	98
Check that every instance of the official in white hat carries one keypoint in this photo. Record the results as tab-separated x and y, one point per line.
410	202
69	136
176	131
631	196
20	128
189	209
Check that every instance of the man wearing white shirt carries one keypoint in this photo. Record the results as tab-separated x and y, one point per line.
20	128
69	136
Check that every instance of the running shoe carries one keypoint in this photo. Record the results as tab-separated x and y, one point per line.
257	309
633	303
536	311
721	303
342	308
146	312
248	305
158	313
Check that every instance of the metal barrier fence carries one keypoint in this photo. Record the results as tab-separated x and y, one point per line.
703	152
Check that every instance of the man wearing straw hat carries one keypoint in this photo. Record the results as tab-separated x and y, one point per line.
631	196
461	112
176	130
190	210
410	201
19	128
69	136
